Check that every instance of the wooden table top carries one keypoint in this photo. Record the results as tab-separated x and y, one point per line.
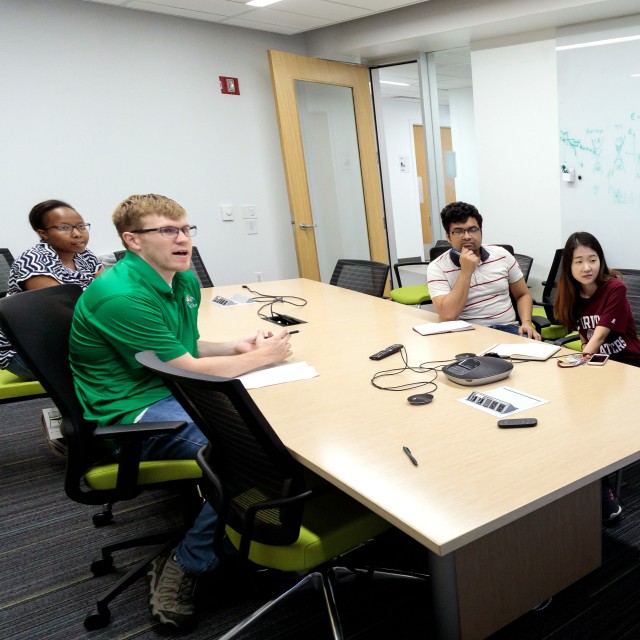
472	476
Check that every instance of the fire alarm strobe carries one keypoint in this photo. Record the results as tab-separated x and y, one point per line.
229	85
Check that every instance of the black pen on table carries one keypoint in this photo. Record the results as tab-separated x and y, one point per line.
410	456
294	331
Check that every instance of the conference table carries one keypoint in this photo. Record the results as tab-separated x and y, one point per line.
509	516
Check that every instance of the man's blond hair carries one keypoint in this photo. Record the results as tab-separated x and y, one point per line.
129	213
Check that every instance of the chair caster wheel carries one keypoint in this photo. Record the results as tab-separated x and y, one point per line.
102	519
97	621
101	567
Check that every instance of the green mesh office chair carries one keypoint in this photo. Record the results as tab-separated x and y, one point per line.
12	387
275	512
543	319
415	294
38	324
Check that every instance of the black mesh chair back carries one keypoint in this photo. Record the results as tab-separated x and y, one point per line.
550	287
38	324
197	266
525	263
631	277
6	260
438	249
247	463
364	276
407	262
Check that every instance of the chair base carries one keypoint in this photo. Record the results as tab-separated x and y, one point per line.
325	583
104	565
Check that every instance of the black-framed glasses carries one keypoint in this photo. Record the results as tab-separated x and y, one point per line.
472	231
171	232
68	228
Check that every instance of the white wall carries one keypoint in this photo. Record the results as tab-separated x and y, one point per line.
100	102
516	114
404	210
463	141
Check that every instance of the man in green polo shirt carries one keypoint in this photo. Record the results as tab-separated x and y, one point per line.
150	300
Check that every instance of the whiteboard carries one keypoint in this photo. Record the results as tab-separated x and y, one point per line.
599	121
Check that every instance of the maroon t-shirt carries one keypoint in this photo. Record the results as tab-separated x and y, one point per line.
609	307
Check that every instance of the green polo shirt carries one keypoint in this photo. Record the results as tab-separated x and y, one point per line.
128	309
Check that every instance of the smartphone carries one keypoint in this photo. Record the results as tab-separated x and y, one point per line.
598	359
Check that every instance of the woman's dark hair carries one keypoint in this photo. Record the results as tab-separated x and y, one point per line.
568	287
459	212
37	214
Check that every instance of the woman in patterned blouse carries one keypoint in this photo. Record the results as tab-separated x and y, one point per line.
61	257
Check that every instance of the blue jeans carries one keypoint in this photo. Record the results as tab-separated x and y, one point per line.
195	552
509	328
18	367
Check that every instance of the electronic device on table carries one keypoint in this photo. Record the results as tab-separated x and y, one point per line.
478	370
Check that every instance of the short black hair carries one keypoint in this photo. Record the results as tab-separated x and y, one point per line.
39	211
459	212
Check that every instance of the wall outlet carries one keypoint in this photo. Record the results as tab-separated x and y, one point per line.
258	276
251	226
226	211
248	211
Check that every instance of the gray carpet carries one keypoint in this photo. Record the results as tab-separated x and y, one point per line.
48	543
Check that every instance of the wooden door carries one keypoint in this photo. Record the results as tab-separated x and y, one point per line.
287	70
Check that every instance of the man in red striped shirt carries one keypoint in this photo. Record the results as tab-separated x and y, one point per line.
476	282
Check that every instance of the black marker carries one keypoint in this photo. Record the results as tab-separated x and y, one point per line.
410	456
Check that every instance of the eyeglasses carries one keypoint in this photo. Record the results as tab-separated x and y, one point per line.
460	232
171	232
68	228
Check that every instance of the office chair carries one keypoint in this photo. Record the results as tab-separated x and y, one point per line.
543	319
197	266
364	276
38	324
416	294
11	387
525	263
275	512
6	260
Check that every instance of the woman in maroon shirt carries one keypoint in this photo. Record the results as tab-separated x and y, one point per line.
593	298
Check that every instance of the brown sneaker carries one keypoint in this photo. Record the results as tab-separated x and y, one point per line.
171	598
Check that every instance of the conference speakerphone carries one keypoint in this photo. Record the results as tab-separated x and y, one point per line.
478	370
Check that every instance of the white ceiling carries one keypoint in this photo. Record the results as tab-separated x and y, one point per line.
453	71
286	16
492	18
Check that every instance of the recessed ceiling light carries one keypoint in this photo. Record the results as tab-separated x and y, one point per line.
262	3
598	43
399	84
635	75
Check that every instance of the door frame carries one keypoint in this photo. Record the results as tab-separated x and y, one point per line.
286	68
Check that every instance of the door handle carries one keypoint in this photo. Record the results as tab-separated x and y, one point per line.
308	226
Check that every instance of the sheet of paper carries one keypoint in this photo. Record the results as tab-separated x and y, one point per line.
279	374
503	401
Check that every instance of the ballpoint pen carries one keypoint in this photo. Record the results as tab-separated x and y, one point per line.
410	455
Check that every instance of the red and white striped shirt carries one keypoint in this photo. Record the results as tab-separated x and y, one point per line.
488	301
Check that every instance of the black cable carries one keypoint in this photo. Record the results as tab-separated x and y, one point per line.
421	369
270	300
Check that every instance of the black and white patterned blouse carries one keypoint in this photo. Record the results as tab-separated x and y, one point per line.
42	260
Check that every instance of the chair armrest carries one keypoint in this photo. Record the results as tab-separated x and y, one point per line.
137	430
567	339
540	322
130	437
